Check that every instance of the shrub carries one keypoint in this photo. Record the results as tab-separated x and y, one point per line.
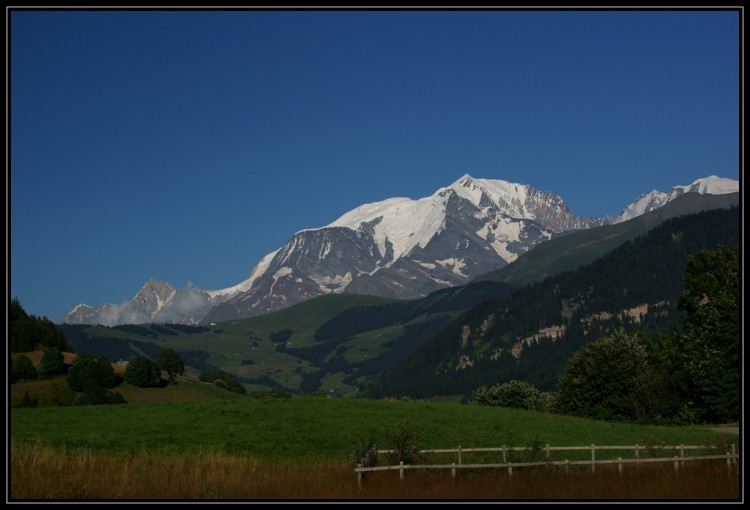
26	401
96	395
403	439
517	394
361	448
228	381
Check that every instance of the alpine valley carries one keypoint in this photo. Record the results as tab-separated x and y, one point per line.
560	287
398	248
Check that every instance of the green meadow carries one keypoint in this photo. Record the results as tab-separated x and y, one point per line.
195	441
319	427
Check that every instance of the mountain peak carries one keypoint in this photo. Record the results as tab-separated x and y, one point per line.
712	185
465	180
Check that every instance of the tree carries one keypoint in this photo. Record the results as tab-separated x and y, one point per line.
171	362
142	372
52	363
604	380
711	337
666	395
88	371
22	368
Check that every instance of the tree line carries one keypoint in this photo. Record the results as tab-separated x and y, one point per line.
693	376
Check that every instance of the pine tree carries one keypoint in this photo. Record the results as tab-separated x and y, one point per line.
52	363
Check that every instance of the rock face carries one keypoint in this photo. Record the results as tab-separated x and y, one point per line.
399	247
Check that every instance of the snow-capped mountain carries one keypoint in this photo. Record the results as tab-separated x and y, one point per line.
711	185
157	302
399	247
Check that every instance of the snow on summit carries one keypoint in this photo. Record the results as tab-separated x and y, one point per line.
406	223
403	222
511	195
711	185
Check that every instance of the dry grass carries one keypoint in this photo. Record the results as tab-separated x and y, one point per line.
44	473
36	356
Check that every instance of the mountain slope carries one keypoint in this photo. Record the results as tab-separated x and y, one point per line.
530	334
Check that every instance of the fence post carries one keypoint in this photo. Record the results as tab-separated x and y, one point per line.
359	478
619	465
401	471
460	461
593	459
729	463
676	464
567	465
505	456
636	451
547	450
453	471
682	455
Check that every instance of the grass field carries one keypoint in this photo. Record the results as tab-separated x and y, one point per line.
317	427
192	440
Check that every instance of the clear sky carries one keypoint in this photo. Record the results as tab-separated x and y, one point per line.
186	145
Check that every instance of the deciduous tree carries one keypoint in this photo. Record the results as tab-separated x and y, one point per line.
711	338
604	380
88	371
171	362
142	372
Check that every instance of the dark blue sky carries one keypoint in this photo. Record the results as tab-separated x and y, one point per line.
186	145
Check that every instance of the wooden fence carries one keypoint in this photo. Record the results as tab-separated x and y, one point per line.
369	462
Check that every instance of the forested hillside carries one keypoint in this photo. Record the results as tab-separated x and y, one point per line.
531	334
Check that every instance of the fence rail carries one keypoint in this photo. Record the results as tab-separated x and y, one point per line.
368	462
